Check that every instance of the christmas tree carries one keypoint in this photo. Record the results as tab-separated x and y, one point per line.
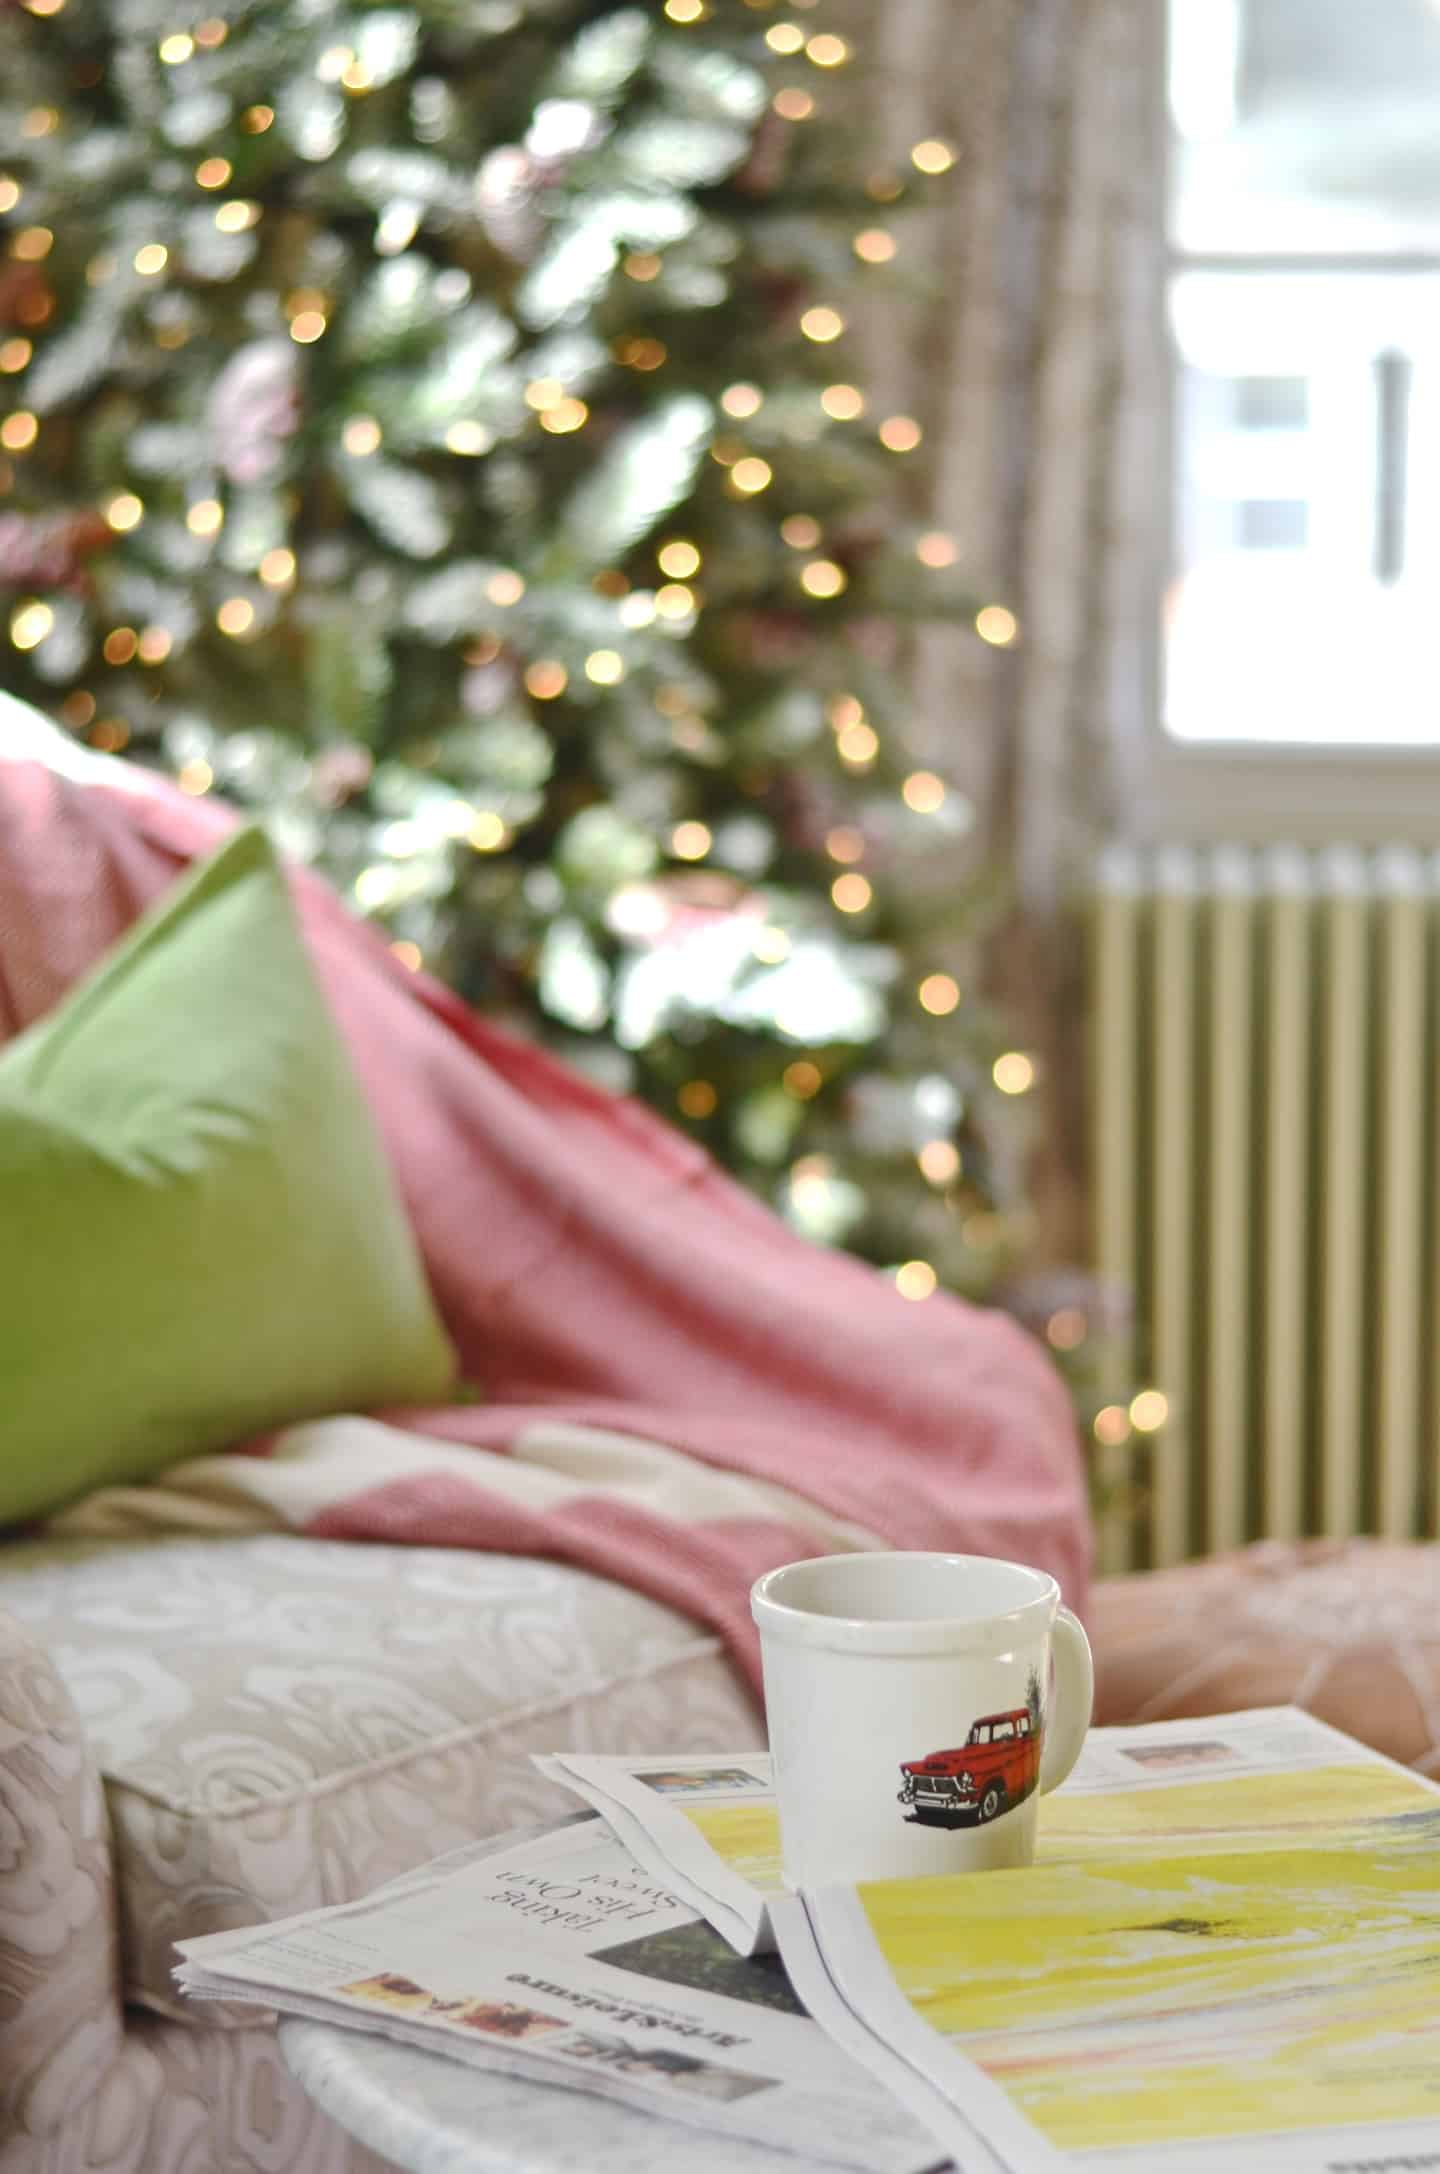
442	429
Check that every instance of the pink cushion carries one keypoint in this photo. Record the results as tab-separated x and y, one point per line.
1350	1630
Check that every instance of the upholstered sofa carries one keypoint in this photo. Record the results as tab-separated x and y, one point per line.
175	1758
206	1729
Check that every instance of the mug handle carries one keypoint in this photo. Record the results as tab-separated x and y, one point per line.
1074	1695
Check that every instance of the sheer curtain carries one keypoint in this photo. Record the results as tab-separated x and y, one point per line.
1036	367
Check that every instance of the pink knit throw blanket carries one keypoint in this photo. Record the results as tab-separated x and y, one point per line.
676	1391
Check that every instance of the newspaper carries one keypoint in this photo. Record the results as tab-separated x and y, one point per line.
1225	1960
560	1958
1228	1951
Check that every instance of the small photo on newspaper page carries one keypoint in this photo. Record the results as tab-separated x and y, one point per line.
708	1826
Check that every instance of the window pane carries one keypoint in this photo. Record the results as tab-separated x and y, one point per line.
1305	125
1307	547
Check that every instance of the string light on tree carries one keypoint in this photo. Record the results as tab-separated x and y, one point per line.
468	438
1067	1329
236	617
826	50
1111	1426
641	353
936	549
842	403
1149	1411
851	893
939	995
206	517
823	577
801	531
1014	1072
916	1279
899	433
874	245
19	431
933	156
939	1162
923	791
505	588
674	601
690	841
742	400
124	512
750	475
822	323
679	559
564	416
30	623
802	1079
997	626
793	104
697	1098
858	746
546	679
785	38
606	667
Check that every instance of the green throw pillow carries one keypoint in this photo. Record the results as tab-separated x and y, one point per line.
199	1234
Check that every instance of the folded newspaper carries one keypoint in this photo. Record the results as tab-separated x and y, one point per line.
558	1957
1227	1951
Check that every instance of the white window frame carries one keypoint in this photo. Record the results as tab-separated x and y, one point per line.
1253	790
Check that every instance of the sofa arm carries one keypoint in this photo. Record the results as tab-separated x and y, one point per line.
61	2018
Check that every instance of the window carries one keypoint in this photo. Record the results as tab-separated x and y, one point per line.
1003	1731
1304	308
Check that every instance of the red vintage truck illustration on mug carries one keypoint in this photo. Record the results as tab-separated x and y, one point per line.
996	1768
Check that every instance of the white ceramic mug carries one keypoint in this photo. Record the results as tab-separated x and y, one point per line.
918	1706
